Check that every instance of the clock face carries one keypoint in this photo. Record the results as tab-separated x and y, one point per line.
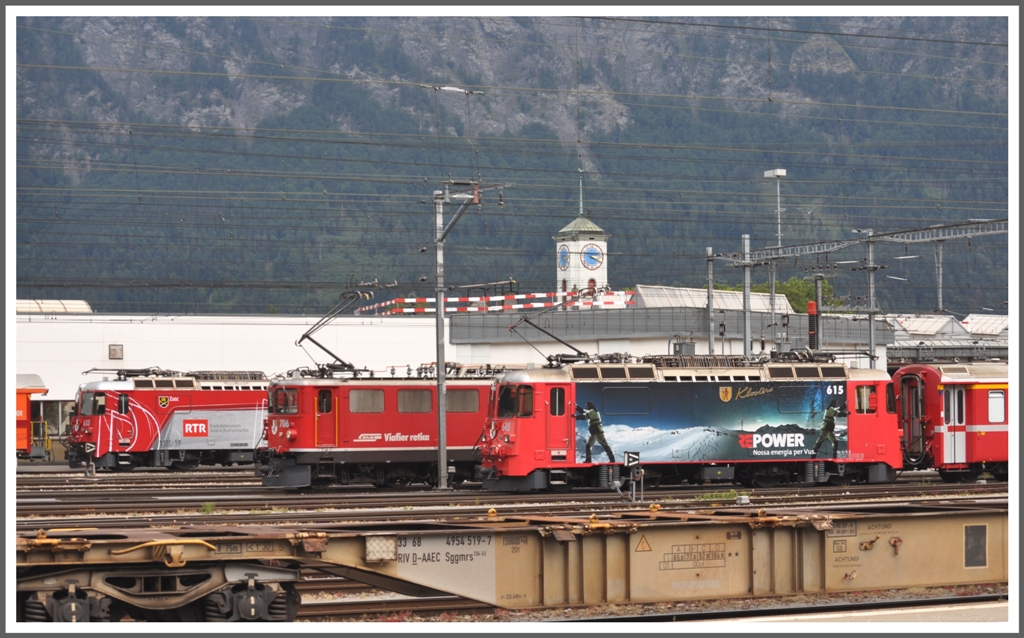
563	257
592	256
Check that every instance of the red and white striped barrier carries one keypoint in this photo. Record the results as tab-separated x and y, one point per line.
617	299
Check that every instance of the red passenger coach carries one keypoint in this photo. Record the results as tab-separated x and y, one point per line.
325	429
955	419
691	419
153	417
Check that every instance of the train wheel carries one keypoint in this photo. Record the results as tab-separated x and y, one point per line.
1001	476
840	481
969	476
767	480
561	488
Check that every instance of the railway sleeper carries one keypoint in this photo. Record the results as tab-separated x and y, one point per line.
212	593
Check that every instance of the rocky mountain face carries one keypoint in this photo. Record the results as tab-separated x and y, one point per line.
281	151
578	78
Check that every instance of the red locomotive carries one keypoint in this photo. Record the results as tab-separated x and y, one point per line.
692	419
955	419
331	426
154	417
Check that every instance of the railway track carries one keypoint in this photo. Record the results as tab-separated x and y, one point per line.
115	513
382	607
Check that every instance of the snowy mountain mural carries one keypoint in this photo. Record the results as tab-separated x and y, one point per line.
709	422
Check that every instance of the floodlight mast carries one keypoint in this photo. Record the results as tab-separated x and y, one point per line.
776	173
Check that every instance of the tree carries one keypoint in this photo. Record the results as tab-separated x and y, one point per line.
797	291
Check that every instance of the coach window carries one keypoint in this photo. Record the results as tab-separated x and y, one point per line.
286	401
122	403
323	401
867	400
996	406
364	401
557	401
462	401
414	401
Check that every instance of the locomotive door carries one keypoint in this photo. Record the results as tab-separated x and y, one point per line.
954	436
559	426
912	400
326	419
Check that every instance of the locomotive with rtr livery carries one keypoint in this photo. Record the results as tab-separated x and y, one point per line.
159	418
693	419
955	419
336	425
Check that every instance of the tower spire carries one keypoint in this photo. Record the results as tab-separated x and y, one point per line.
581	192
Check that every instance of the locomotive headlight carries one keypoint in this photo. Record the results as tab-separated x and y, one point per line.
289	434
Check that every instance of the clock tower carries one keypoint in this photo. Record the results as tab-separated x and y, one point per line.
581	254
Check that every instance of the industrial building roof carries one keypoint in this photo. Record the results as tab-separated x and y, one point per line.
908	326
62	306
987	325
668	297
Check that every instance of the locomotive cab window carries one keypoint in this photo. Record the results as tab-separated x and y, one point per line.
515	400
286	401
323	401
94	403
867	399
525	401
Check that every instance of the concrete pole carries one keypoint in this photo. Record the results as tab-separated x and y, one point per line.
711	302
442	431
771	298
871	298
821	315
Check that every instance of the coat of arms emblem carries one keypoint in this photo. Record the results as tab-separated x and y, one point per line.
725	394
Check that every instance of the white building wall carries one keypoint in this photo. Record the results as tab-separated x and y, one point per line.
60	348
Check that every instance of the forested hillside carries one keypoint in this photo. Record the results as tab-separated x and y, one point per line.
268	164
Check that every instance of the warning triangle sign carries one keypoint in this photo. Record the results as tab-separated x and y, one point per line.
643	546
